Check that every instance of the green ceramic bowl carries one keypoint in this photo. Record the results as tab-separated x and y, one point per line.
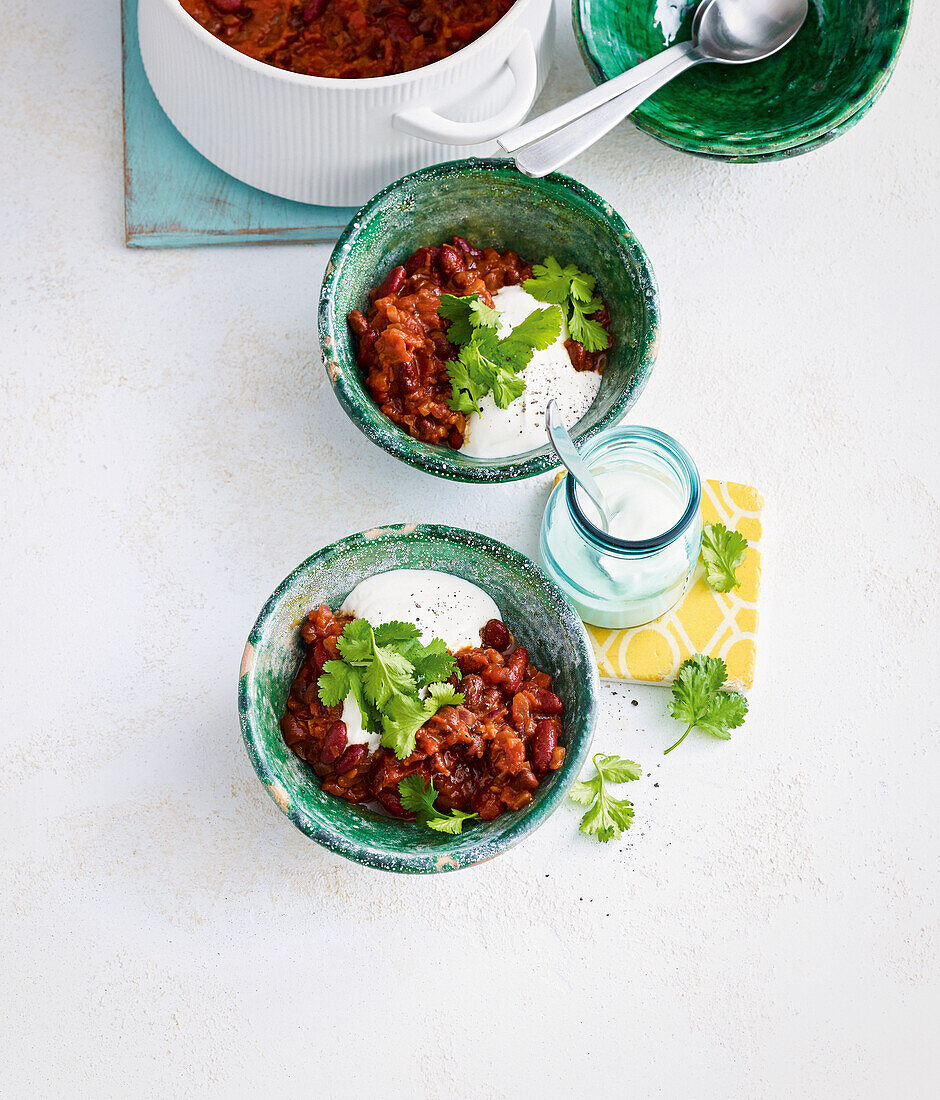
801	98
490	203
534	609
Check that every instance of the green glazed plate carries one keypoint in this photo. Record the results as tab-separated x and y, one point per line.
813	90
533	608
489	202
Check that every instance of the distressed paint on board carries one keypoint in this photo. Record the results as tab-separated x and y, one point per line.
174	197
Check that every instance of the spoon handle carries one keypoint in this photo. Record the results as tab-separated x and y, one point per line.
560	116
572	461
549	153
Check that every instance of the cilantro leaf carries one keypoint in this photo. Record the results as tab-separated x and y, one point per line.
387	674
402	717
431	662
394	632
698	700
537	332
452	824
506	388
357	641
458	311
443	695
591	334
585	791
607	817
333	685
466	387
550	282
573	290
386	670
483	314
722	552
419	798
485	363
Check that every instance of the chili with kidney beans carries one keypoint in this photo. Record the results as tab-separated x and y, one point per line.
485	756
347	38
403	345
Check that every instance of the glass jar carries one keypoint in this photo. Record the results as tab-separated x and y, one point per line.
615	581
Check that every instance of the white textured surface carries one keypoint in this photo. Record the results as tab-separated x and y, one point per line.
170	449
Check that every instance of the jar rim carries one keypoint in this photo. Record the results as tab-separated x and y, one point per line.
664	444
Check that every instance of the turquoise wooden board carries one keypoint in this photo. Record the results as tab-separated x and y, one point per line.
173	196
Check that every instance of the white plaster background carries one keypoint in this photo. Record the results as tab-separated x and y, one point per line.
171	449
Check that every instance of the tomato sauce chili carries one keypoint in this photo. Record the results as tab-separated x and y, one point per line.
347	38
403	346
485	756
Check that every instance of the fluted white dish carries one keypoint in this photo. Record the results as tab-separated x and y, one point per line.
336	142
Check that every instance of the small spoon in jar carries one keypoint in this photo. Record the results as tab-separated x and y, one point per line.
572	461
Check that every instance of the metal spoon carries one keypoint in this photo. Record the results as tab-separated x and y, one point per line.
733	32
572	461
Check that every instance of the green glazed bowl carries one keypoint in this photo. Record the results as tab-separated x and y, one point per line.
534	609
799	99
490	203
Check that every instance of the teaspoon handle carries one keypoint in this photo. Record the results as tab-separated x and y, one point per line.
560	116
573	462
550	153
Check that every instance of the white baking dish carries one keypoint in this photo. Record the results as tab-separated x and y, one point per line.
337	142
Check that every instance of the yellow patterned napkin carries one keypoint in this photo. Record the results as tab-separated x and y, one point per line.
714	623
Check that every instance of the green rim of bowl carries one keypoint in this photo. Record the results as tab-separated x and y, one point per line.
433	852
769	150
344	373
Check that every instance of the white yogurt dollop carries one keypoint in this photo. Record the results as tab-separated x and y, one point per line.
440	606
495	432
641	507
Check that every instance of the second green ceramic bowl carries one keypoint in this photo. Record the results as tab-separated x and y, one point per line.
801	98
533	608
490	203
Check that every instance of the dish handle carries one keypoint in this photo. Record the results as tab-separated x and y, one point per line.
423	122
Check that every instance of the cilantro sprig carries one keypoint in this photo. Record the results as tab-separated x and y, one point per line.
607	817
722	552
573	291
485	363
419	799
397	682
698	700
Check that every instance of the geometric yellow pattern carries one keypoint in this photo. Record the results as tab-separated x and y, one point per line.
714	623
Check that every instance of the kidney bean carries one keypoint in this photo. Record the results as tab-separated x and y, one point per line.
451	260
351	758
320	656
358	323
410	378
527	780
466	247
393	283
391	800
577	355
516	664
547	702
399	27
496	634
313	10
472	688
417	260
227	7
543	744
335	743
293	730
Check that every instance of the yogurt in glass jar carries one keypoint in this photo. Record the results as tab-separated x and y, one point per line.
642	566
